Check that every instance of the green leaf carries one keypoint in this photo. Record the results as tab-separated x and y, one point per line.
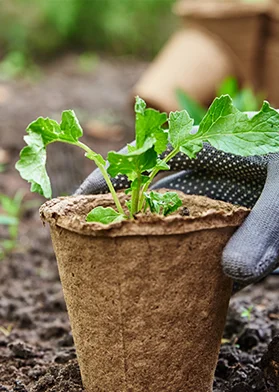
229	130
48	129
194	108
133	163
131	148
70	125
136	184
172	203
161	165
221	110
104	215
192	148
164	203
129	205
32	164
149	124
127	191
180	126
152	203
42	132
140	106
93	156
69	129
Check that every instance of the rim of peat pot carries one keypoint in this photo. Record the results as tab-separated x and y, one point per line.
69	212
147	298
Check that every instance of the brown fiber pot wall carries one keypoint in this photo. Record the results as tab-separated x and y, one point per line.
147	300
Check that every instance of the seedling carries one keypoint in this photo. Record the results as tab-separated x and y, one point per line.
223	126
247	312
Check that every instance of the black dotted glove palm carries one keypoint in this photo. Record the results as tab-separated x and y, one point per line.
253	182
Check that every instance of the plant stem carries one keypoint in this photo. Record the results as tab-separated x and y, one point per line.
105	175
135	197
153	174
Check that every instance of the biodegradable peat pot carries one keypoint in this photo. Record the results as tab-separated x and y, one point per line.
271	74
237	24
147	299
182	64
220	39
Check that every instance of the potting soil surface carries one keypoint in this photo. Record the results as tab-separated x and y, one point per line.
37	353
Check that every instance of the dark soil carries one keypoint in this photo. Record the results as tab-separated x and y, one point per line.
36	346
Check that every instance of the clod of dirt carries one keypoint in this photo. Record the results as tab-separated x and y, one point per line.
55	330
3	389
184	211
19	387
21	350
59	379
3	343
36	372
270	365
248	339
55	303
66	340
242	387
65	356
24	318
235	367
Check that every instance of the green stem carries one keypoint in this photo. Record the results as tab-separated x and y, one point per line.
153	174
105	175
135	197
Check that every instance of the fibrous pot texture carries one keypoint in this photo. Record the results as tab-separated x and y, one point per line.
147	299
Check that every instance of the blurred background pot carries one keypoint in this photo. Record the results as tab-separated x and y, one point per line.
147	299
218	39
181	65
271	80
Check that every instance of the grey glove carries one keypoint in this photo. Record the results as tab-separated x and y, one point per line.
253	251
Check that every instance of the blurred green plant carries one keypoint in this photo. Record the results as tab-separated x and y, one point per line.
42	28
16	64
88	61
193	107
12	208
245	99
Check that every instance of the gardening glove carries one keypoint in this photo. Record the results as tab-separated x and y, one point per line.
253	250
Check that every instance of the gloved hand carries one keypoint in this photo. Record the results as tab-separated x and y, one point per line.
253	250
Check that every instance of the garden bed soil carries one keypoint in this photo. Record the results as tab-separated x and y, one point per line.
38	355
36	345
